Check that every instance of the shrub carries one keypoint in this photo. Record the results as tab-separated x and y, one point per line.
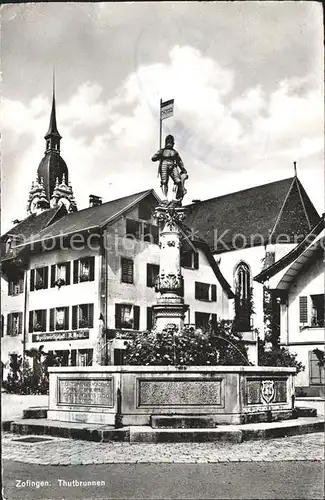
217	345
22	379
20	376
277	356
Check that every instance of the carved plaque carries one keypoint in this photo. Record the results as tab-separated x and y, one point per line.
86	392
179	392
255	387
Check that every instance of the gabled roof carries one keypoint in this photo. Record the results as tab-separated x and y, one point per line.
309	244
268	210
91	218
312	254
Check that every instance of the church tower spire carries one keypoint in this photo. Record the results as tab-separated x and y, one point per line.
53	136
55	186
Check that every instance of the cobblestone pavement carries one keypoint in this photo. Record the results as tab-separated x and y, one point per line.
60	451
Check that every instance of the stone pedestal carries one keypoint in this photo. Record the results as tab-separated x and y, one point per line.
170	307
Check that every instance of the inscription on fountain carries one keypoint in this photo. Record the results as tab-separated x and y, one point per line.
94	392
179	392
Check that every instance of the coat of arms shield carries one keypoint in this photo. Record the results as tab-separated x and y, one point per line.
267	390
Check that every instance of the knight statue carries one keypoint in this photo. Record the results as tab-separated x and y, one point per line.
171	165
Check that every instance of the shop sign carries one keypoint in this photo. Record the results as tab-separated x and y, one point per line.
54	336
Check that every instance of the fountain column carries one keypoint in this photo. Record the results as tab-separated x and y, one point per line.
170	307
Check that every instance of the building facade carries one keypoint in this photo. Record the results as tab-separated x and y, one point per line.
78	291
297	283
248	230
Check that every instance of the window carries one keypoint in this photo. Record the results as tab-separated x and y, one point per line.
83	316
190	259
59	319
133	229
142	231
205	320
84	270
127	270
205	291
16	286
150	318
37	321
85	357
127	316
60	274
2	324
316	372
243	297
14	324
150	233
317	312
145	210
39	278
311	310
152	273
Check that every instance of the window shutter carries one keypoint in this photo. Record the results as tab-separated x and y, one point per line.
8	324
127	271
148	275
74	317
43	318
46	277
149	318
68	272
196	260
66	318
91	268
91	315
52	320
213	293
52	276
197	293
303	309
117	315
10	284
31	315
136	317
32	280
21	285
75	271
20	325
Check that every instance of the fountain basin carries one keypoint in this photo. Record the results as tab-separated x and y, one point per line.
138	395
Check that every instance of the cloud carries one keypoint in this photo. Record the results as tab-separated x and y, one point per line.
228	141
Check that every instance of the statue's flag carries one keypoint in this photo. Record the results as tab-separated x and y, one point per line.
166	109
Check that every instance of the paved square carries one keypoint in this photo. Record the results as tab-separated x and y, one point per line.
60	451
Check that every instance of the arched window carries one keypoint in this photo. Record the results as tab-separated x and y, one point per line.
243	300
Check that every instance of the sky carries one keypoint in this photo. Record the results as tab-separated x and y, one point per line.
247	79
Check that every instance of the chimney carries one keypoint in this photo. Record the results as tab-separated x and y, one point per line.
94	200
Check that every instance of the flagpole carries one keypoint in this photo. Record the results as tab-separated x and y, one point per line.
160	124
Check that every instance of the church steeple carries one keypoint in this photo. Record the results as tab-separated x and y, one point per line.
53	170
53	136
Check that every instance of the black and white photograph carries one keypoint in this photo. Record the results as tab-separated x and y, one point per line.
162	250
